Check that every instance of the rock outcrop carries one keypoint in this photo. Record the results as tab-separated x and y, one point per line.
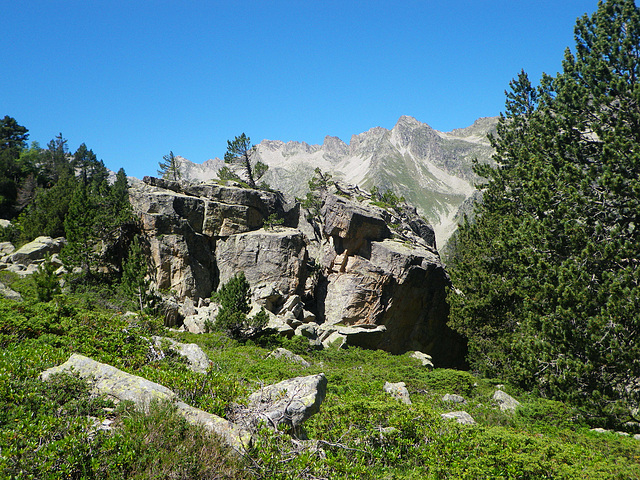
347	271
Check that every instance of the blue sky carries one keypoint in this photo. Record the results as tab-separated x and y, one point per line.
136	79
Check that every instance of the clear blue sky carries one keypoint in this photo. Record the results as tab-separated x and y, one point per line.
136	79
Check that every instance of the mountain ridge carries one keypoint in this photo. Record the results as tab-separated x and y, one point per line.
431	169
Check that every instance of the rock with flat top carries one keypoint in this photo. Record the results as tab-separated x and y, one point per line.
461	417
36	250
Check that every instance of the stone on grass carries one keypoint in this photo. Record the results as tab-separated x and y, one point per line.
505	401
452	398
198	360
288	355
288	403
114	383
398	391
461	417
425	359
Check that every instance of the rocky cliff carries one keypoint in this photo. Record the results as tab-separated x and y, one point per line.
355	267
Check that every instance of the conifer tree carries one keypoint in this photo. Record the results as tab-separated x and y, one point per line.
548	274
240	152
135	281
169	168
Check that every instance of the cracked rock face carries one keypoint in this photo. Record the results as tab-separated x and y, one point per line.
353	264
290	402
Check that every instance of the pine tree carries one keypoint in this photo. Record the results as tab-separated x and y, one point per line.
135	281
170	168
548	272
240	152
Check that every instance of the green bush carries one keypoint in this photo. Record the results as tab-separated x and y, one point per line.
233	298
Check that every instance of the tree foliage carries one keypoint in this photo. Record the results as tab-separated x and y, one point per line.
13	140
135	277
548	272
233	298
170	168
240	152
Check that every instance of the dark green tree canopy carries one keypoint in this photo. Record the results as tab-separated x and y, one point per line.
240	152
548	274
12	135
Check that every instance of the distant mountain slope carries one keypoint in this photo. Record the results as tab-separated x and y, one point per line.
431	169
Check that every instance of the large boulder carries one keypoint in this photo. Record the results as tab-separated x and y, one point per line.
36	250
275	258
290	402
112	382
347	264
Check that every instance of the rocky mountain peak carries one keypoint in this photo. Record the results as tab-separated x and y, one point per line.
429	168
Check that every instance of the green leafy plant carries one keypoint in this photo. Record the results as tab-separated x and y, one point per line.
46	281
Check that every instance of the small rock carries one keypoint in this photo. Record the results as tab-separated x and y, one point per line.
291	320
290	402
452	398
398	391
425	359
600	430
187	308
308	330
198	360
6	292
6	248
308	317
505	401
461	417
288	355
294	305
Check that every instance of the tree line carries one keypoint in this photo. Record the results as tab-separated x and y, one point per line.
547	275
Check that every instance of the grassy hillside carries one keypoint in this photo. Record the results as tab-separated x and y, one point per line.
49	430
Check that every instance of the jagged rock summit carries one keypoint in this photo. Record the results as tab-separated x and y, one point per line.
431	169
345	269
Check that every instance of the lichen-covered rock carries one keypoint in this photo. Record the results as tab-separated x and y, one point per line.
288	355
267	257
290	402
198	360
36	250
453	398
398	391
505	401
461	417
112	382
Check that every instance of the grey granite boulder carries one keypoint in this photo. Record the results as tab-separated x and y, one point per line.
290	402
36	250
505	401
461	417
198	360
398	391
114	383
288	355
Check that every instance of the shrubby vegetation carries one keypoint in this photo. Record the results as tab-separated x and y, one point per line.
232	318
49	430
548	273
